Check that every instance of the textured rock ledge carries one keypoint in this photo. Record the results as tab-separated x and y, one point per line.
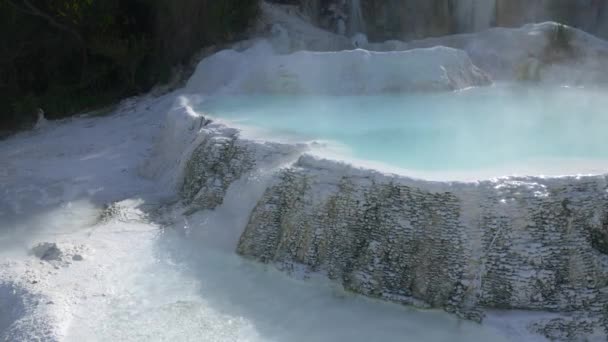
529	243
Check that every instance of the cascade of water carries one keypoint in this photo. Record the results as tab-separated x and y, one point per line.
475	15
356	23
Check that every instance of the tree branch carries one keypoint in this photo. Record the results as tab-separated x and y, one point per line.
34	11
18	8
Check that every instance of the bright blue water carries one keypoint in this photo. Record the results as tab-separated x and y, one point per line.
482	128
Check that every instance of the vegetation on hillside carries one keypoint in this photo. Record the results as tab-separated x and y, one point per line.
66	56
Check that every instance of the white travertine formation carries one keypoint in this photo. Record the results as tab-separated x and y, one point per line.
260	71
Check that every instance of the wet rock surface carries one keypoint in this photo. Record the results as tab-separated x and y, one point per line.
525	244
214	165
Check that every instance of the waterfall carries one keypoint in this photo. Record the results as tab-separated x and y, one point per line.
356	23
475	15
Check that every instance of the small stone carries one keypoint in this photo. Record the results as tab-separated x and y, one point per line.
77	257
46	251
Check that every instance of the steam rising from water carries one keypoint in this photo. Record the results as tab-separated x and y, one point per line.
501	129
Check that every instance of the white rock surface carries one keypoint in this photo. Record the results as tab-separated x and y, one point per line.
357	72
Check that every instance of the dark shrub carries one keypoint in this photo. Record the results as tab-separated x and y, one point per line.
66	56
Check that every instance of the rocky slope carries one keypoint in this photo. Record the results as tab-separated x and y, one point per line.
528	244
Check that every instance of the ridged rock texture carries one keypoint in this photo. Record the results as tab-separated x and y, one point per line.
530	244
214	165
221	158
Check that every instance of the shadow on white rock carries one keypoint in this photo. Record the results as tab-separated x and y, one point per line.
12	307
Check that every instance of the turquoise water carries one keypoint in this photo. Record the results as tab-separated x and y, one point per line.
481	128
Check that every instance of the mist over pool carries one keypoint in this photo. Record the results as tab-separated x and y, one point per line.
504	129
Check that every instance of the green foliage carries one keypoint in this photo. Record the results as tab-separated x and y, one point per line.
67	56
